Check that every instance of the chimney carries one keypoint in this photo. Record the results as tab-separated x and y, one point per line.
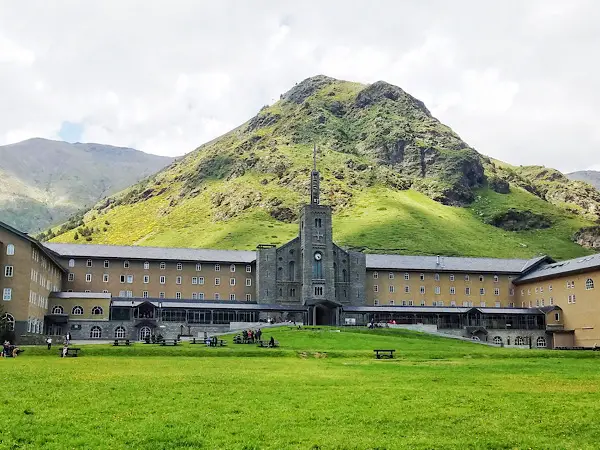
437	260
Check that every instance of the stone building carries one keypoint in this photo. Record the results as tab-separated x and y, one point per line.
108	292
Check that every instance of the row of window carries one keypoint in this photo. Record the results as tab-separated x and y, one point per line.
178	295
35	325
38	299
436	277
589	285
520	340
437	290
46	283
162	279
77	310
466	304
162	265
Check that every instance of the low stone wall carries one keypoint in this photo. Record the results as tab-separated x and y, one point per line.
418	327
508	337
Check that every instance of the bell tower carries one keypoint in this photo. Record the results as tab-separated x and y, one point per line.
316	245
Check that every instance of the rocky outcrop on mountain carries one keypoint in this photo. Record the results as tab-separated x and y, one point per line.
587	176
588	237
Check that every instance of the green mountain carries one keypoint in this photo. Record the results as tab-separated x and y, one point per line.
43	182
589	176
398	181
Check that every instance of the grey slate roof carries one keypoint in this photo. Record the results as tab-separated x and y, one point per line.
450	263
151	253
583	264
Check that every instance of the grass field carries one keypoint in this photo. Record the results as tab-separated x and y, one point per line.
321	389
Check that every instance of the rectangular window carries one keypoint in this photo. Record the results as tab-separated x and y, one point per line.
422	302
537	302
406	289
129	279
452	303
452	291
551	301
88	277
162	279
537	290
248	268
161	295
482	304
550	287
146	265
200	280
467	278
7	294
105	278
178	295
438	290
198	267
194	296
232	282
422	289
248	281
179	266
422	277
177	280
121	293
542	302
467	291
482	291
145	294
10	250
88	263
528	291
407	276
163	266
391	275
541	289
511	292
403	302
496	291
451	277
375	275
217	267
436	277
511	305
440	303
375	302
200	295
105	291
481	279
391	302
122	279
496	279
232	297
130	294
217	296
146	279
125	264
391	288
217	281
8	271
556	316
194	280
376	288
232	268
248	297
106	264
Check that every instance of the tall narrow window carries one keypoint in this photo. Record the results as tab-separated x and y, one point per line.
146	265
291	271
318	266
589	284
344	275
10	249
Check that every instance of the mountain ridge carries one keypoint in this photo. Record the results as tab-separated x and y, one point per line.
46	181
394	175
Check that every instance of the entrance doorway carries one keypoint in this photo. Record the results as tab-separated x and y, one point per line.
145	332
324	315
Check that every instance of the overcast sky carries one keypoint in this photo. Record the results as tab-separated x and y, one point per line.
517	80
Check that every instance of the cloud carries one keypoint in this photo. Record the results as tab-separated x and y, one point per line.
514	79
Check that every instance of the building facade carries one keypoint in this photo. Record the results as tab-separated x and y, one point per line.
111	292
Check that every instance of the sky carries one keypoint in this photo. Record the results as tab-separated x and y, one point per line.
517	80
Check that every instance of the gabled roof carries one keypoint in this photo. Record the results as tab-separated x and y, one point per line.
555	269
452	264
151	253
35	242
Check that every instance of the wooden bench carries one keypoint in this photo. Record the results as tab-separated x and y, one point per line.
121	342
71	351
384	354
166	342
217	343
265	344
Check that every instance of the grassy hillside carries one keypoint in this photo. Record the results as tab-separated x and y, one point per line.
397	179
44	182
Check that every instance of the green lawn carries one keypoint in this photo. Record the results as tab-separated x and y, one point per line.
322	389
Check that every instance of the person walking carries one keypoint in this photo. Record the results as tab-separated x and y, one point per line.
49	342
68	338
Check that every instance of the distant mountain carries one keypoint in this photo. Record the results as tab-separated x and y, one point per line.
589	176
43	182
396	178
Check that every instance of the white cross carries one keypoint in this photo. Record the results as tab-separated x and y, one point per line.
318	236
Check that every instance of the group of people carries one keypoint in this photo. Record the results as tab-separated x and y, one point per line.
252	336
9	350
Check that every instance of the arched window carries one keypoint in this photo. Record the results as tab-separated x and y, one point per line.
57	309
291	271
71	263
96	332
540	342
497	340
519	340
119	332
8	322
10	249
475	338
145	332
77	311
344	275
589	284
97	310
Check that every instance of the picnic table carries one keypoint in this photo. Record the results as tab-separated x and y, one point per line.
216	343
165	342
384	354
121	342
266	344
71	351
